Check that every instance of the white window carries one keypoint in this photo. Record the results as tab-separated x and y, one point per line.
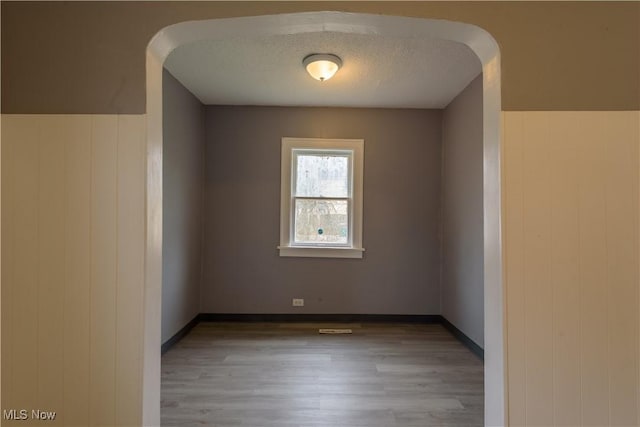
321	198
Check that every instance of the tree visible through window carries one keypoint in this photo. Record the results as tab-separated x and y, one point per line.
321	197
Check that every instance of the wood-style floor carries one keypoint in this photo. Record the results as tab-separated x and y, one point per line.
288	375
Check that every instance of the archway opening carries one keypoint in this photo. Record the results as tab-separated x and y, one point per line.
480	42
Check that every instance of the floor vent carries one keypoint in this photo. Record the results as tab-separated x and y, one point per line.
335	331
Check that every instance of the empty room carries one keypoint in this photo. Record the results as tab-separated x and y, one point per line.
320	213
295	204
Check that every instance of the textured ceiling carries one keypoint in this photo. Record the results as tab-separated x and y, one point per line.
377	71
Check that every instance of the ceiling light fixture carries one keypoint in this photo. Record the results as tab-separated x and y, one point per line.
322	66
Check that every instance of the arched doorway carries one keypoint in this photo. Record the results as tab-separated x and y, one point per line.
475	38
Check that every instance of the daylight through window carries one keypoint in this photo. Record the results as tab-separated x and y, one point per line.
321	197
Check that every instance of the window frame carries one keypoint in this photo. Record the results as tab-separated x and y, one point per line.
353	248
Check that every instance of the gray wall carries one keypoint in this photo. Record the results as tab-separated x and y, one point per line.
462	216
183	177
401	267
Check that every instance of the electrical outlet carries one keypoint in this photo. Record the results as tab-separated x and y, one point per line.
298	302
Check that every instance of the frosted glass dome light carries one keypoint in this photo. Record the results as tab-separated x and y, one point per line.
322	66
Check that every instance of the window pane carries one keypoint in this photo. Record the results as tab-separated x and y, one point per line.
322	176
321	221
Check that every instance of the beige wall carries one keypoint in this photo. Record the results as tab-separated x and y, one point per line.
88	57
571	251
462	213
73	263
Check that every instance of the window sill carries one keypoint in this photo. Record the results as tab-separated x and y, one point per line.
320	252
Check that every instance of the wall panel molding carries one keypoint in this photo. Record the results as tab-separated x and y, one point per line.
572	256
572	273
73	256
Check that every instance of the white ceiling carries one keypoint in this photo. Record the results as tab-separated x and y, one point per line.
377	71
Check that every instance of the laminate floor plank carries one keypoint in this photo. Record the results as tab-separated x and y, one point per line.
289	375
